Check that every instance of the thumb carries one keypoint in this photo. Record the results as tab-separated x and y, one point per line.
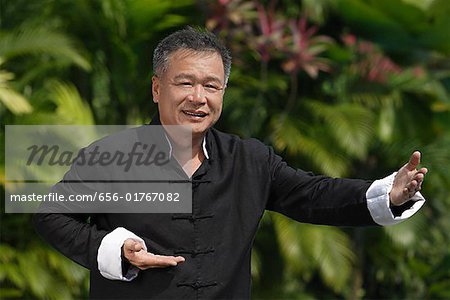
414	161
131	245
138	246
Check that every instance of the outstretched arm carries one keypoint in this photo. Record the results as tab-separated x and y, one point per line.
346	202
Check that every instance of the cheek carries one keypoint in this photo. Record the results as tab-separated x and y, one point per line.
216	112
169	100
218	106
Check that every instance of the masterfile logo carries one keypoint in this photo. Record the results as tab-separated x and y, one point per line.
140	155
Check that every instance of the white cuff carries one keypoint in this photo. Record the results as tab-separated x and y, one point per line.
378	202
109	255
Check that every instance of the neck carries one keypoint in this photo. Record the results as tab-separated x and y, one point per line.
197	144
189	156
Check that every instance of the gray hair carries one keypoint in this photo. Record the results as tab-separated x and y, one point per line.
191	39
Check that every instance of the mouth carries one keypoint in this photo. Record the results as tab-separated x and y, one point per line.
195	114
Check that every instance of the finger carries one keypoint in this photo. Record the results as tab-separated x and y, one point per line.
419	177
171	260
414	161
145	260
408	194
128	245
161	261
419	185
412	188
412	185
138	247
424	171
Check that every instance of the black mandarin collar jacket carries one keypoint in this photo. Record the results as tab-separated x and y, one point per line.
230	191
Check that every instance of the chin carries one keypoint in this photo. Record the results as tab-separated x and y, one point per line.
198	131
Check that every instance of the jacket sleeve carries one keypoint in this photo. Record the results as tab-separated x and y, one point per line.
308	198
72	235
66	226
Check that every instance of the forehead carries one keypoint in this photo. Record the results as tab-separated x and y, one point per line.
197	63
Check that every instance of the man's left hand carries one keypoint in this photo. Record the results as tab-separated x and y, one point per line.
408	181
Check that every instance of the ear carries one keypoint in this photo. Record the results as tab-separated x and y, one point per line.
155	89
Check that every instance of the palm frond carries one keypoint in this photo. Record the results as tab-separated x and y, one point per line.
40	40
407	233
351	125
71	109
334	256
437	158
308	248
292	246
289	135
10	98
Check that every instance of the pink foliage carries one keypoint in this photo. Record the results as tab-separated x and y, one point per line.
304	49
271	35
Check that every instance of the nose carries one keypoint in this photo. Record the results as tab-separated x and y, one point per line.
198	94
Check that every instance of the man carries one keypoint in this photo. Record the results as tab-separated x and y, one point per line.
207	254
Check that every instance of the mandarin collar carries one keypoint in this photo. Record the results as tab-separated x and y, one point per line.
206	147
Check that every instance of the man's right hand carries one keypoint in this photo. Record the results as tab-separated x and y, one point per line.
135	253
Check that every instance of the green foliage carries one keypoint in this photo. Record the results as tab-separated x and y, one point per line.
288	135
37	272
11	99
330	254
40	40
350	125
409	27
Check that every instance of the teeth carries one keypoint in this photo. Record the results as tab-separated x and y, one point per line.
194	114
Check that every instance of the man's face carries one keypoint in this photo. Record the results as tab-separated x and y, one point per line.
190	91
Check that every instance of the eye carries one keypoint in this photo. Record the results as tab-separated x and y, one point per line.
211	87
184	84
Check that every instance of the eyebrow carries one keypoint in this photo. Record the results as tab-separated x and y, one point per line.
192	77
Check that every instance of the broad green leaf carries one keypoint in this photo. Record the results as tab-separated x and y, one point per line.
40	40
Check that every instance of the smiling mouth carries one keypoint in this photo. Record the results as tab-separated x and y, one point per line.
195	114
